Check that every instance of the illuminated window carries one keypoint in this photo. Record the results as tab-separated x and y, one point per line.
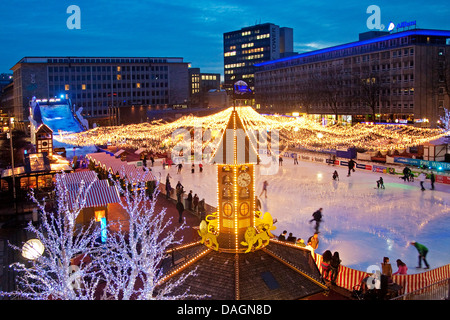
67	87
119	77
83	87
138	85
118	69
227	209
99	214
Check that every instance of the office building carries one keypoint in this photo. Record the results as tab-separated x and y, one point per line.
247	46
100	83
200	84
400	77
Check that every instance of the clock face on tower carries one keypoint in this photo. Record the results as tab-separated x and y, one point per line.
244	179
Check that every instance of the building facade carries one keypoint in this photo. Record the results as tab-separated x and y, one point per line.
247	46
99	83
200	84
400	77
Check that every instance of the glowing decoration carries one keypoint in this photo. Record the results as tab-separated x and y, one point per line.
299	131
32	249
209	239
252	238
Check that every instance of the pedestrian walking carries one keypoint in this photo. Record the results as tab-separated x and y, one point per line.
168	189
422	178
180	208
423	251
189	200
264	190
351	167
195	202
202	209
317	217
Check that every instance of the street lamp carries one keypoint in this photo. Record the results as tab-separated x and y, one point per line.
32	249
10	123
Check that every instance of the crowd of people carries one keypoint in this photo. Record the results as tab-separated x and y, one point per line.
193	202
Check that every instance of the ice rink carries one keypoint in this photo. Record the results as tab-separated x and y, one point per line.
360	221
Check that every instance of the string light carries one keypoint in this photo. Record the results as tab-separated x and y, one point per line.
159	136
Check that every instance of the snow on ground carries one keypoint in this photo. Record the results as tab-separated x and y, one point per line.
360	221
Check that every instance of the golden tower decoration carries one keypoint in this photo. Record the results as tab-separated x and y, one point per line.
237	226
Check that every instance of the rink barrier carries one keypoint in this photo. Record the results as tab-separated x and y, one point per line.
349	278
369	167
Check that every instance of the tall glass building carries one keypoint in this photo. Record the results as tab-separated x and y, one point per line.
247	46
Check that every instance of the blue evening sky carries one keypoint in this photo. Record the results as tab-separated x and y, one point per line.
189	29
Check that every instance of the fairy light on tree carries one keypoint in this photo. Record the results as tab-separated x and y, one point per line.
127	266
48	274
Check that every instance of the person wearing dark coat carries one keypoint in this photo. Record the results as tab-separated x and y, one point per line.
317	217
195	202
282	236
180	208
334	266
291	238
189	199
433	180
351	167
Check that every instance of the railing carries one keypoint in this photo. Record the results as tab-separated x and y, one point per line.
437	291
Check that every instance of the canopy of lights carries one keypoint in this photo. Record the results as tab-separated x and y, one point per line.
157	136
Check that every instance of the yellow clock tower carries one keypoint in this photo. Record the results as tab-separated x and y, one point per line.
237	225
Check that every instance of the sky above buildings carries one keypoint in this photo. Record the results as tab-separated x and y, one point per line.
187	28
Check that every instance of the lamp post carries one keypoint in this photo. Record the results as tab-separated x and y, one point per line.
32	249
10	120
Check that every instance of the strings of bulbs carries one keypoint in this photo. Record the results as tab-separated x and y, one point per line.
158	136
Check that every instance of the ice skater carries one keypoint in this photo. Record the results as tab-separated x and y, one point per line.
422	178
432	180
295	159
380	183
335	175
351	167
317	217
423	251
264	190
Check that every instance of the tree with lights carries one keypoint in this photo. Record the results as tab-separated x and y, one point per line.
49	273
125	265
131	265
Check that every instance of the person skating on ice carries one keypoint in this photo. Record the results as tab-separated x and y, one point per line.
351	167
